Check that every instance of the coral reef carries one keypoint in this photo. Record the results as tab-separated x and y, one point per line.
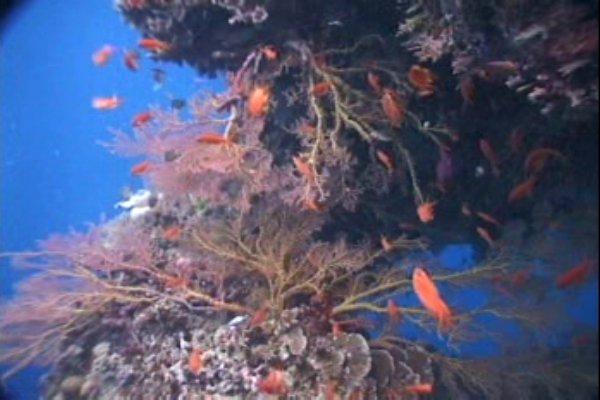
281	218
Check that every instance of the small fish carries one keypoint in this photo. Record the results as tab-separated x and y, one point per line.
522	190
466	210
430	298
421	388
393	311
336	329
387	160
307	129
374	81
386	244
212	138
489	153
258	101
173	282
536	159
103	56
142	119
142	168
393	107
107	103
304	168
195	362
274	384
270	52
426	212
504	66
313	204
576	275
330	392
485	235
154	45
488	218
321	89
132	60
423	79
172	234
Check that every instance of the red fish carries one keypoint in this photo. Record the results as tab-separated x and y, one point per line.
422	79
304	168
154	45
576	275
195	362
429	296
270	53
489	153
212	138
107	103
259	317
313	204
258	101
172	234
426	212
536	159
321	89
142	119
132	60
516	140
386	160
103	56
375	82
142	168
393	107
522	190
421	388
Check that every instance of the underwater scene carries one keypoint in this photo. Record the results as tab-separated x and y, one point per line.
299	199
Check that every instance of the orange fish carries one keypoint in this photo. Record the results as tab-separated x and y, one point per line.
488	218
386	160
195	362
107	103
331	391
429	296
142	168
142	119
274	384
258	101
393	312
154	45
313	204
172	282
307	129
426	212
422	79
576	275
270	53
421	388
132	60
467	89
393	107
536	159
489	153
321	89
485	235
304	168
104	55
386	244
172	234
212	138
522	190
375	82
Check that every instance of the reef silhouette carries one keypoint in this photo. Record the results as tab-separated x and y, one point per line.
276	250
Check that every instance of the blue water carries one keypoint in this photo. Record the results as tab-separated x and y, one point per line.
54	174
